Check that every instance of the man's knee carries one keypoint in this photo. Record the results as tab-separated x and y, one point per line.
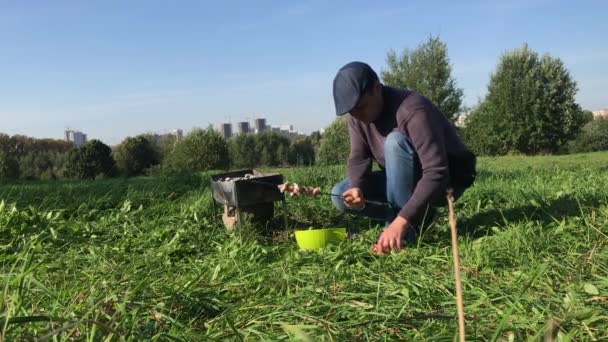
397	143
339	189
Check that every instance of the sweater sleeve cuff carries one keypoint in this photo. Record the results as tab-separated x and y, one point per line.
407	212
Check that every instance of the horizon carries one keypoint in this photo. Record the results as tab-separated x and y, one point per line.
113	69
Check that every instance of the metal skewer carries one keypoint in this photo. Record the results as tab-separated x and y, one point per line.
323	193
366	201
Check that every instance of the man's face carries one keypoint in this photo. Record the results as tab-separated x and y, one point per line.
369	107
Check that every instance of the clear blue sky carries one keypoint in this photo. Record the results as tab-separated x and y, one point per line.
119	68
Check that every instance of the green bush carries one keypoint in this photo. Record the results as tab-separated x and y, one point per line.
593	137
242	151
9	168
43	165
134	155
200	150
335	143
92	160
271	148
301	152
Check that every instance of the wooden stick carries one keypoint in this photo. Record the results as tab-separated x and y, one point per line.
456	265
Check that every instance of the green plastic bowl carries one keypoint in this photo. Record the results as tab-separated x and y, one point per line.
313	239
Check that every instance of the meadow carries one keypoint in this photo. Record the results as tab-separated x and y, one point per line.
148	259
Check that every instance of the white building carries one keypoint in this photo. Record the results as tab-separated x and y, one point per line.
177	133
76	137
287	128
600	112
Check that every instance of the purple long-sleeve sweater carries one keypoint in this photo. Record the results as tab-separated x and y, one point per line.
443	158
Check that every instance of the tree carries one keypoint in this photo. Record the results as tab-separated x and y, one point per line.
478	133
335	143
593	137
33	164
163	144
201	150
92	159
9	168
315	137
530	107
587	116
283	154
301	152
59	162
426	70
135	154
37	158
241	151
271	147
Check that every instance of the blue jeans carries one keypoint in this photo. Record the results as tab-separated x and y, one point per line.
393	185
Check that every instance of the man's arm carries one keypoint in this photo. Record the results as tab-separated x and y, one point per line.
360	159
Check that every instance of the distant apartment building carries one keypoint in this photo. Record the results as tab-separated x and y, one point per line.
172	136
600	112
288	131
461	120
76	137
287	128
260	125
226	130
178	133
243	127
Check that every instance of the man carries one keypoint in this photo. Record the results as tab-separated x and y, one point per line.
415	145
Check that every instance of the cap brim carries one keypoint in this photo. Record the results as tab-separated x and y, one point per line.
344	109
340	114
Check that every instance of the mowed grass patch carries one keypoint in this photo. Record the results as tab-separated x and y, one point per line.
146	259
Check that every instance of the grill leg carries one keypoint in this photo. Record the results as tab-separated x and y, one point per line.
230	218
239	218
214	210
284	213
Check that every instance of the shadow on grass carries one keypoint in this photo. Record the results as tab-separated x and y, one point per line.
545	212
475	226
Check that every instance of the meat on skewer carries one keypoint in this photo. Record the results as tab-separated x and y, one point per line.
295	189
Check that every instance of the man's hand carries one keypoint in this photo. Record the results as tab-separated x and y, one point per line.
390	239
353	198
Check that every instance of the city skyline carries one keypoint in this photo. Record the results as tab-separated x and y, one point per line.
228	129
78	136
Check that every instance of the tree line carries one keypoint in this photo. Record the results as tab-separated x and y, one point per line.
529	109
29	158
201	149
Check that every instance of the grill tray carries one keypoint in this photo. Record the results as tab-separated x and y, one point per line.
246	192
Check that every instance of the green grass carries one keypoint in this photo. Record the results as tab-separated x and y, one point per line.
144	259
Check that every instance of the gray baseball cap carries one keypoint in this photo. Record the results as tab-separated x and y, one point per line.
352	81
